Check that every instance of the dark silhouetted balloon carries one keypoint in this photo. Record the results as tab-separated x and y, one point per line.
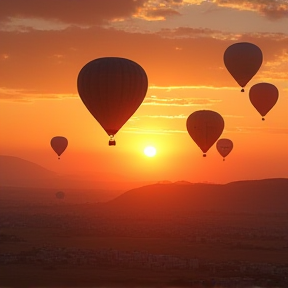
224	147
59	144
243	60
112	89
60	195
263	97
205	127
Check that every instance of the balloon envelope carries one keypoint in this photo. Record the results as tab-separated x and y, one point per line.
263	97
59	144
224	146
112	89
243	60
205	127
60	195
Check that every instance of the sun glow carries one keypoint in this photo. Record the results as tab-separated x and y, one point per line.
150	151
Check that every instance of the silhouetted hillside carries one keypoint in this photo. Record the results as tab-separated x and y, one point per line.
24	182
18	172
23	196
267	195
15	171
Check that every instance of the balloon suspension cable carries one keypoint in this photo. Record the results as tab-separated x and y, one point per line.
204	155
112	141
242	90
263	119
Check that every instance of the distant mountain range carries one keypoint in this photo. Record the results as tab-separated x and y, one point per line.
267	195
23	182
17	172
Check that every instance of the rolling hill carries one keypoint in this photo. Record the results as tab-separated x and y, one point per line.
267	195
17	172
24	182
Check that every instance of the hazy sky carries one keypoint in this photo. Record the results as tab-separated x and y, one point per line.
180	44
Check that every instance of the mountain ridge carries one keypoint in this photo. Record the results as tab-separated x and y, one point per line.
18	172
266	195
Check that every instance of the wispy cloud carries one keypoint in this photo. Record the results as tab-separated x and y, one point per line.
158	10
153	131
190	102
166	117
181	116
169	88
233	116
58	15
188	32
270	130
273	9
42	14
167	69
184	32
21	95
276	68
161	9
160	14
27	25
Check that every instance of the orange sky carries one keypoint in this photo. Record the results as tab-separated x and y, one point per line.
180	44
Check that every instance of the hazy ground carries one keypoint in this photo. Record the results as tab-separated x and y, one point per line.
47	242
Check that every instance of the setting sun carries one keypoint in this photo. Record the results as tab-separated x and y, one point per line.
150	151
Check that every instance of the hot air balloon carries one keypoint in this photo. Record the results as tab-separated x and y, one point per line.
263	97
59	144
205	127
60	195
112	89
243	60
224	147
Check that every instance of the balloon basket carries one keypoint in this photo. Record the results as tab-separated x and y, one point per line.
112	141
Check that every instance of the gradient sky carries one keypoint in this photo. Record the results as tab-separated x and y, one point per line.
180	44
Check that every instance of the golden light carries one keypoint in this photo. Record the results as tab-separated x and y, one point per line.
150	151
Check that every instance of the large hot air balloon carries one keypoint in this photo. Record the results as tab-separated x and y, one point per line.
59	144
243	60
112	89
205	127
60	195
263	97
224	147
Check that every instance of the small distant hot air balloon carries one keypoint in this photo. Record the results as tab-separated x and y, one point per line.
205	127
60	195
59	144
243	60
263	97
224	147
112	89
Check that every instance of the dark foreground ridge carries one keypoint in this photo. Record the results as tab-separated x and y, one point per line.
267	195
